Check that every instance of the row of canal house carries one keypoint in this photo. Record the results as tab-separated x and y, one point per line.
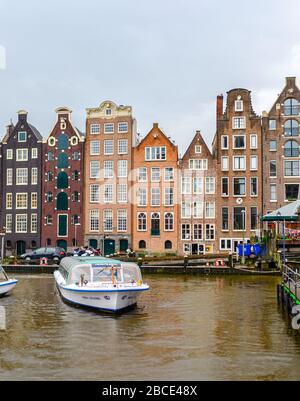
111	189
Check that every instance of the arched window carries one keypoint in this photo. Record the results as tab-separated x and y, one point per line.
49	242
63	161
75	175
168	245
75	219
8	244
291	128
62	201
155	224
142	222
63	142
142	244
62	181
291	149
75	196
169	222
49	220
50	176
291	107
33	244
50	156
49	197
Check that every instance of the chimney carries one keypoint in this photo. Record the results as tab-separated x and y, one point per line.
290	81
155	125
22	115
9	129
220	100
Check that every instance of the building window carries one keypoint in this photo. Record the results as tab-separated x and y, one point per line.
253	141
168	245
109	128
185	210
185	232
198	210
9	154
272	125
34	200
155	174
273	168
94	170
291	128
186	185
169	222
22	176
50	176
9	201
210	210
122	220
210	186
63	142
224	142
34	176
62	202
156	153
142	197
239	122
9	176
291	192
169	174
123	128
22	137
198	185
122	169
108	193
123	147
34	223
142	244
94	194
169	197
225	163
142	222
142	174
75	175
239	186
155	196
108	111
239	142
108	148
254	186
21	223
198	164
225	219
291	149
8	223
75	197
22	155
50	156
198	149
239	163
273	193
253	163
95	148
95	129
291	107
94	220
273	146
198	232
210	232
239	105
76	156
291	168
34	153
239	218
108	220
253	218
62	180
225	186
49	220
122	193
108	169
49	197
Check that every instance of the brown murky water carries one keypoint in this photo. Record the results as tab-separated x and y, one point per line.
195	328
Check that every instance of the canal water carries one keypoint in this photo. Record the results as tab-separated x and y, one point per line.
194	328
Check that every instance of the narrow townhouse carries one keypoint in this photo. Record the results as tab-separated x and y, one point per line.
281	141
155	195
21	160
197	223
237	148
62	186
111	135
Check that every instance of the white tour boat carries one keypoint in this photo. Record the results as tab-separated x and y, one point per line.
99	283
6	285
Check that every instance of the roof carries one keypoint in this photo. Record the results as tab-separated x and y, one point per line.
289	212
70	263
36	132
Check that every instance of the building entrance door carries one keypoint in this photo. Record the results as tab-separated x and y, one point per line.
109	247
21	247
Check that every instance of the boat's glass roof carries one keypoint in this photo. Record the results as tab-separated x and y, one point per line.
70	263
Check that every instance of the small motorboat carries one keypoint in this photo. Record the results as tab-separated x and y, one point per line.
98	283
6	285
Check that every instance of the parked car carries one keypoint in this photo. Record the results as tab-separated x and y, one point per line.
51	253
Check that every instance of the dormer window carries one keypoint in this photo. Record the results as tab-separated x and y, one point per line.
239	105
22	136
198	149
239	122
108	112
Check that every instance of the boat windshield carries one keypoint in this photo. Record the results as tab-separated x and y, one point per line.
131	274
106	274
81	274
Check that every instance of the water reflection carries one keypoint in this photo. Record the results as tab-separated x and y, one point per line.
184	328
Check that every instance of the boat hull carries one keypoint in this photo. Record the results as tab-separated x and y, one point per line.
111	301
7	286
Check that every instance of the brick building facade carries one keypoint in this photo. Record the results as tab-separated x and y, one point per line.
62	193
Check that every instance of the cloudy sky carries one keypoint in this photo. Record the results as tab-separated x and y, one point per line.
169	59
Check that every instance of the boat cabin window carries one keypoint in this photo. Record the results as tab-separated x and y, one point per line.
131	274
104	275
80	271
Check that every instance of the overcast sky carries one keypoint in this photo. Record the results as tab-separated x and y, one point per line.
169	59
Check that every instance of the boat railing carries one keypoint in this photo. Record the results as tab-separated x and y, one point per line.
291	279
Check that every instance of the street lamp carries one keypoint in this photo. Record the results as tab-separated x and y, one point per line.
244	228
283	236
